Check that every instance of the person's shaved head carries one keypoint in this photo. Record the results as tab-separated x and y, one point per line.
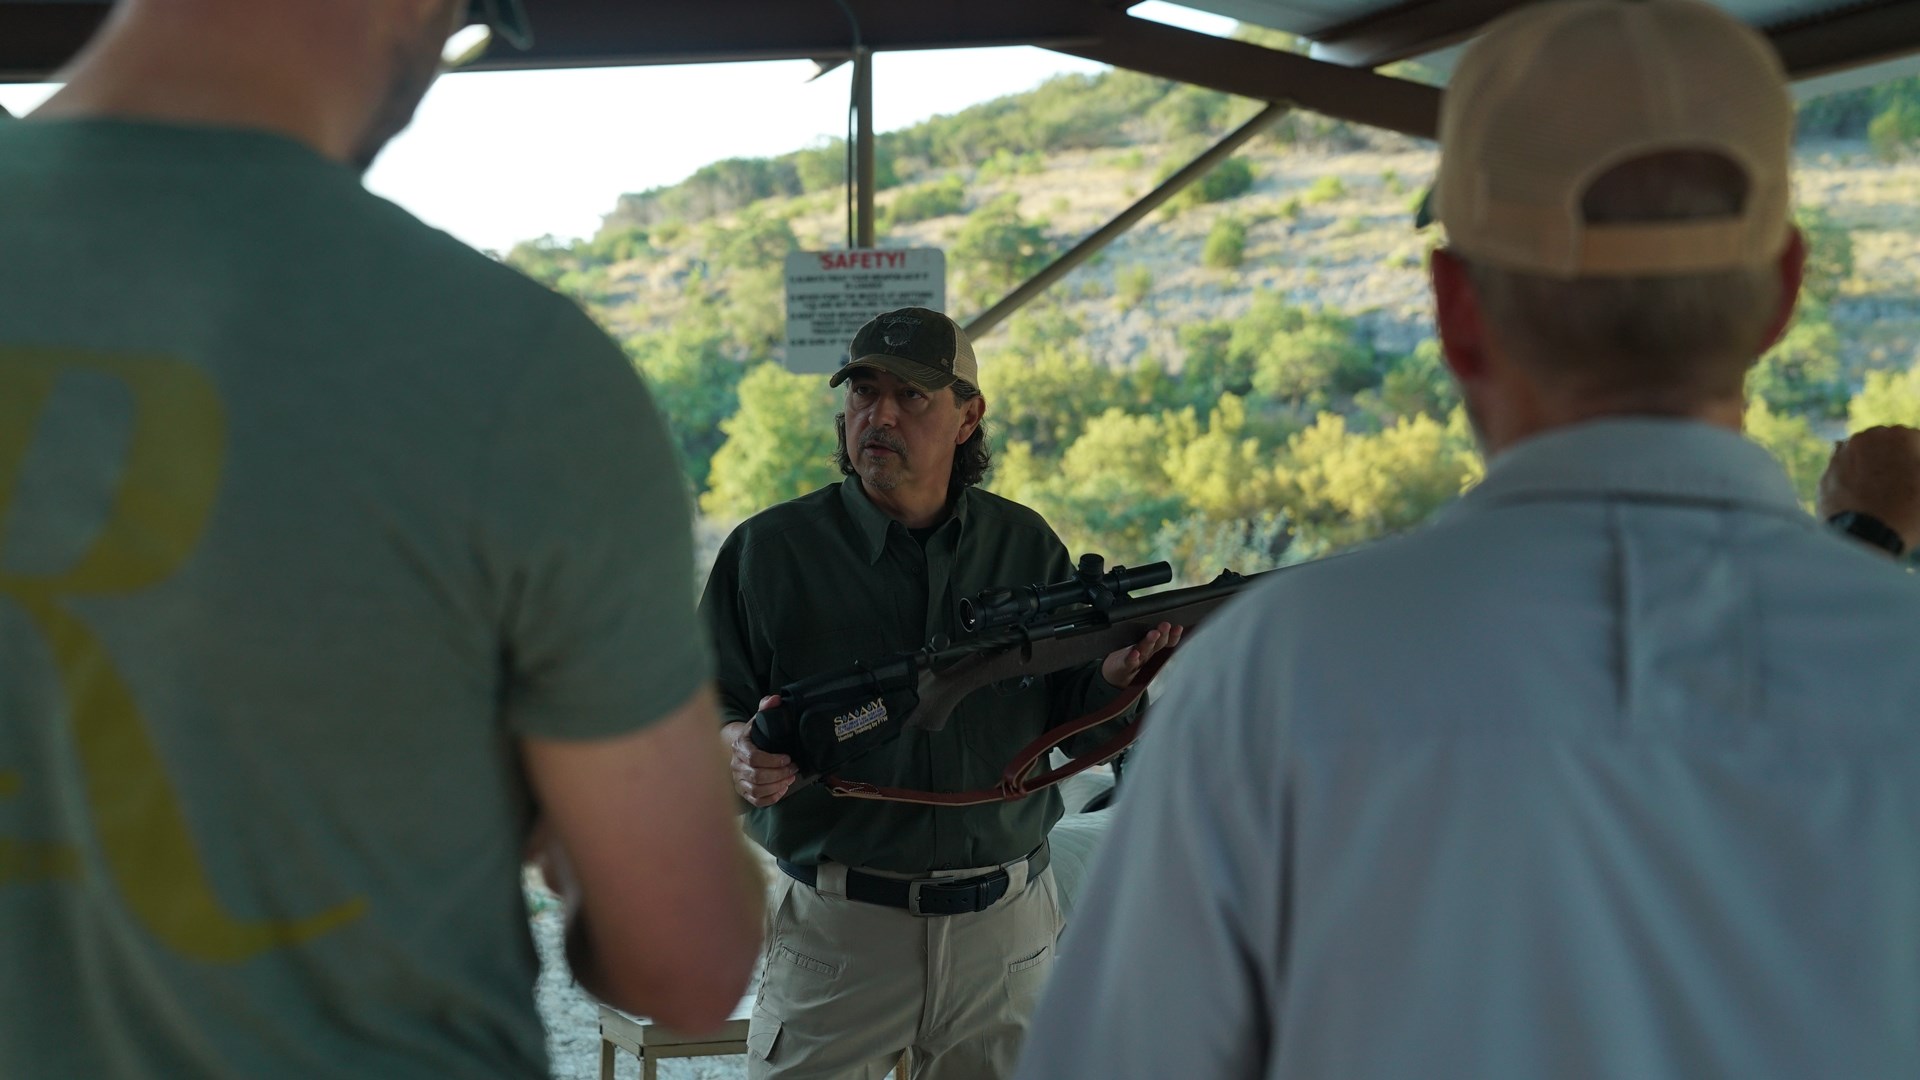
344	76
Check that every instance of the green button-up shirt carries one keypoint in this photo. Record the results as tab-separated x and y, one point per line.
828	579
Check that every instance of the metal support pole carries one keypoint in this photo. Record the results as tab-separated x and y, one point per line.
1107	233
863	147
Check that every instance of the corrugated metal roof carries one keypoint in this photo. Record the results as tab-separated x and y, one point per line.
1828	43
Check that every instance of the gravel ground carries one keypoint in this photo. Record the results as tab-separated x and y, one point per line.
573	1019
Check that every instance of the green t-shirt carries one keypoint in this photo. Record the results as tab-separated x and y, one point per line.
307	514
827	580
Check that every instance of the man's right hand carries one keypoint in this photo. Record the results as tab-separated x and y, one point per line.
758	777
1877	472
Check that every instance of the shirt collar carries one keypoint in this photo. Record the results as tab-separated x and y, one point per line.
1645	457
871	524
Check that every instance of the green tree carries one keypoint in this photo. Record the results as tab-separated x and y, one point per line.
1896	128
1223	473
1324	190
1044	397
1226	245
1199	547
1112	485
1888	397
545	260
998	249
1790	439
753	240
1342	488
948	195
695	384
1829	253
1230	179
1801	373
779	443
1132	285
1300	356
1416	384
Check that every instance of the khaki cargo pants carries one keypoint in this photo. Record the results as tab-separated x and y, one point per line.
850	985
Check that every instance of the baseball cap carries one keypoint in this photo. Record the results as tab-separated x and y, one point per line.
1554	95
921	346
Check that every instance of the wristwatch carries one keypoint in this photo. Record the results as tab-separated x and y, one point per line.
1868	530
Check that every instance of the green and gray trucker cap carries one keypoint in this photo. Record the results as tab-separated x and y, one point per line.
923	347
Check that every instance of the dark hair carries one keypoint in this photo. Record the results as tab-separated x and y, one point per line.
972	460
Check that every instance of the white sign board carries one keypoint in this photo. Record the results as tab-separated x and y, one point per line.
832	294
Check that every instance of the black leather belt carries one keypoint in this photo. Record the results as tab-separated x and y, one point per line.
926	896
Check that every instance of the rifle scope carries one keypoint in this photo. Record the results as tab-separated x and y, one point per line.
1001	607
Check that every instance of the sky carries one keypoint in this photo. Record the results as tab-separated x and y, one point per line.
499	157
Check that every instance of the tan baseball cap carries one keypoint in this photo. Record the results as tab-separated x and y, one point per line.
919	345
1554	95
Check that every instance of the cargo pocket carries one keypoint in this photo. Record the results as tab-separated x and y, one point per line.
1027	978
794	987
763	1032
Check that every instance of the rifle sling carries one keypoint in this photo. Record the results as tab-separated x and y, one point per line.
1014	781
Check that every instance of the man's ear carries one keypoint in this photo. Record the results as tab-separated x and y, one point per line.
1456	315
972	412
1793	271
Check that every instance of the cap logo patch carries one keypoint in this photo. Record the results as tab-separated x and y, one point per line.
898	330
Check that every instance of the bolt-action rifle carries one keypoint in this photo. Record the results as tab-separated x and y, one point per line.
826	720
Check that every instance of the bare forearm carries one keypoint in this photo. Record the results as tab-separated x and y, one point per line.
701	995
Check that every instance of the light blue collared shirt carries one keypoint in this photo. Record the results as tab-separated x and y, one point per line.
1612	771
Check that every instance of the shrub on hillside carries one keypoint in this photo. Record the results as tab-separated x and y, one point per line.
1889	397
1791	440
948	195
1324	190
1226	244
1829	252
1896	129
1801	373
1132	285
1230	179
1342	487
998	249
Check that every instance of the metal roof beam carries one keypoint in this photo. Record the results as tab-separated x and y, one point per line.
1848	39
1237	67
1404	32
1818	45
596	33
37	38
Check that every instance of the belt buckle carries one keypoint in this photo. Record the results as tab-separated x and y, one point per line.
913	896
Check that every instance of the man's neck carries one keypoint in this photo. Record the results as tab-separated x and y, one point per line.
914	508
1546	416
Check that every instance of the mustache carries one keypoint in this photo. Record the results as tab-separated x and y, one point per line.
881	438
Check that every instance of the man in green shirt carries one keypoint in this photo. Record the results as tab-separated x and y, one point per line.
864	959
331	553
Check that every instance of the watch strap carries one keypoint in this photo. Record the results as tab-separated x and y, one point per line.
1868	530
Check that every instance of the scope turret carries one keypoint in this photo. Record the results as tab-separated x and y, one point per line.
1091	586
